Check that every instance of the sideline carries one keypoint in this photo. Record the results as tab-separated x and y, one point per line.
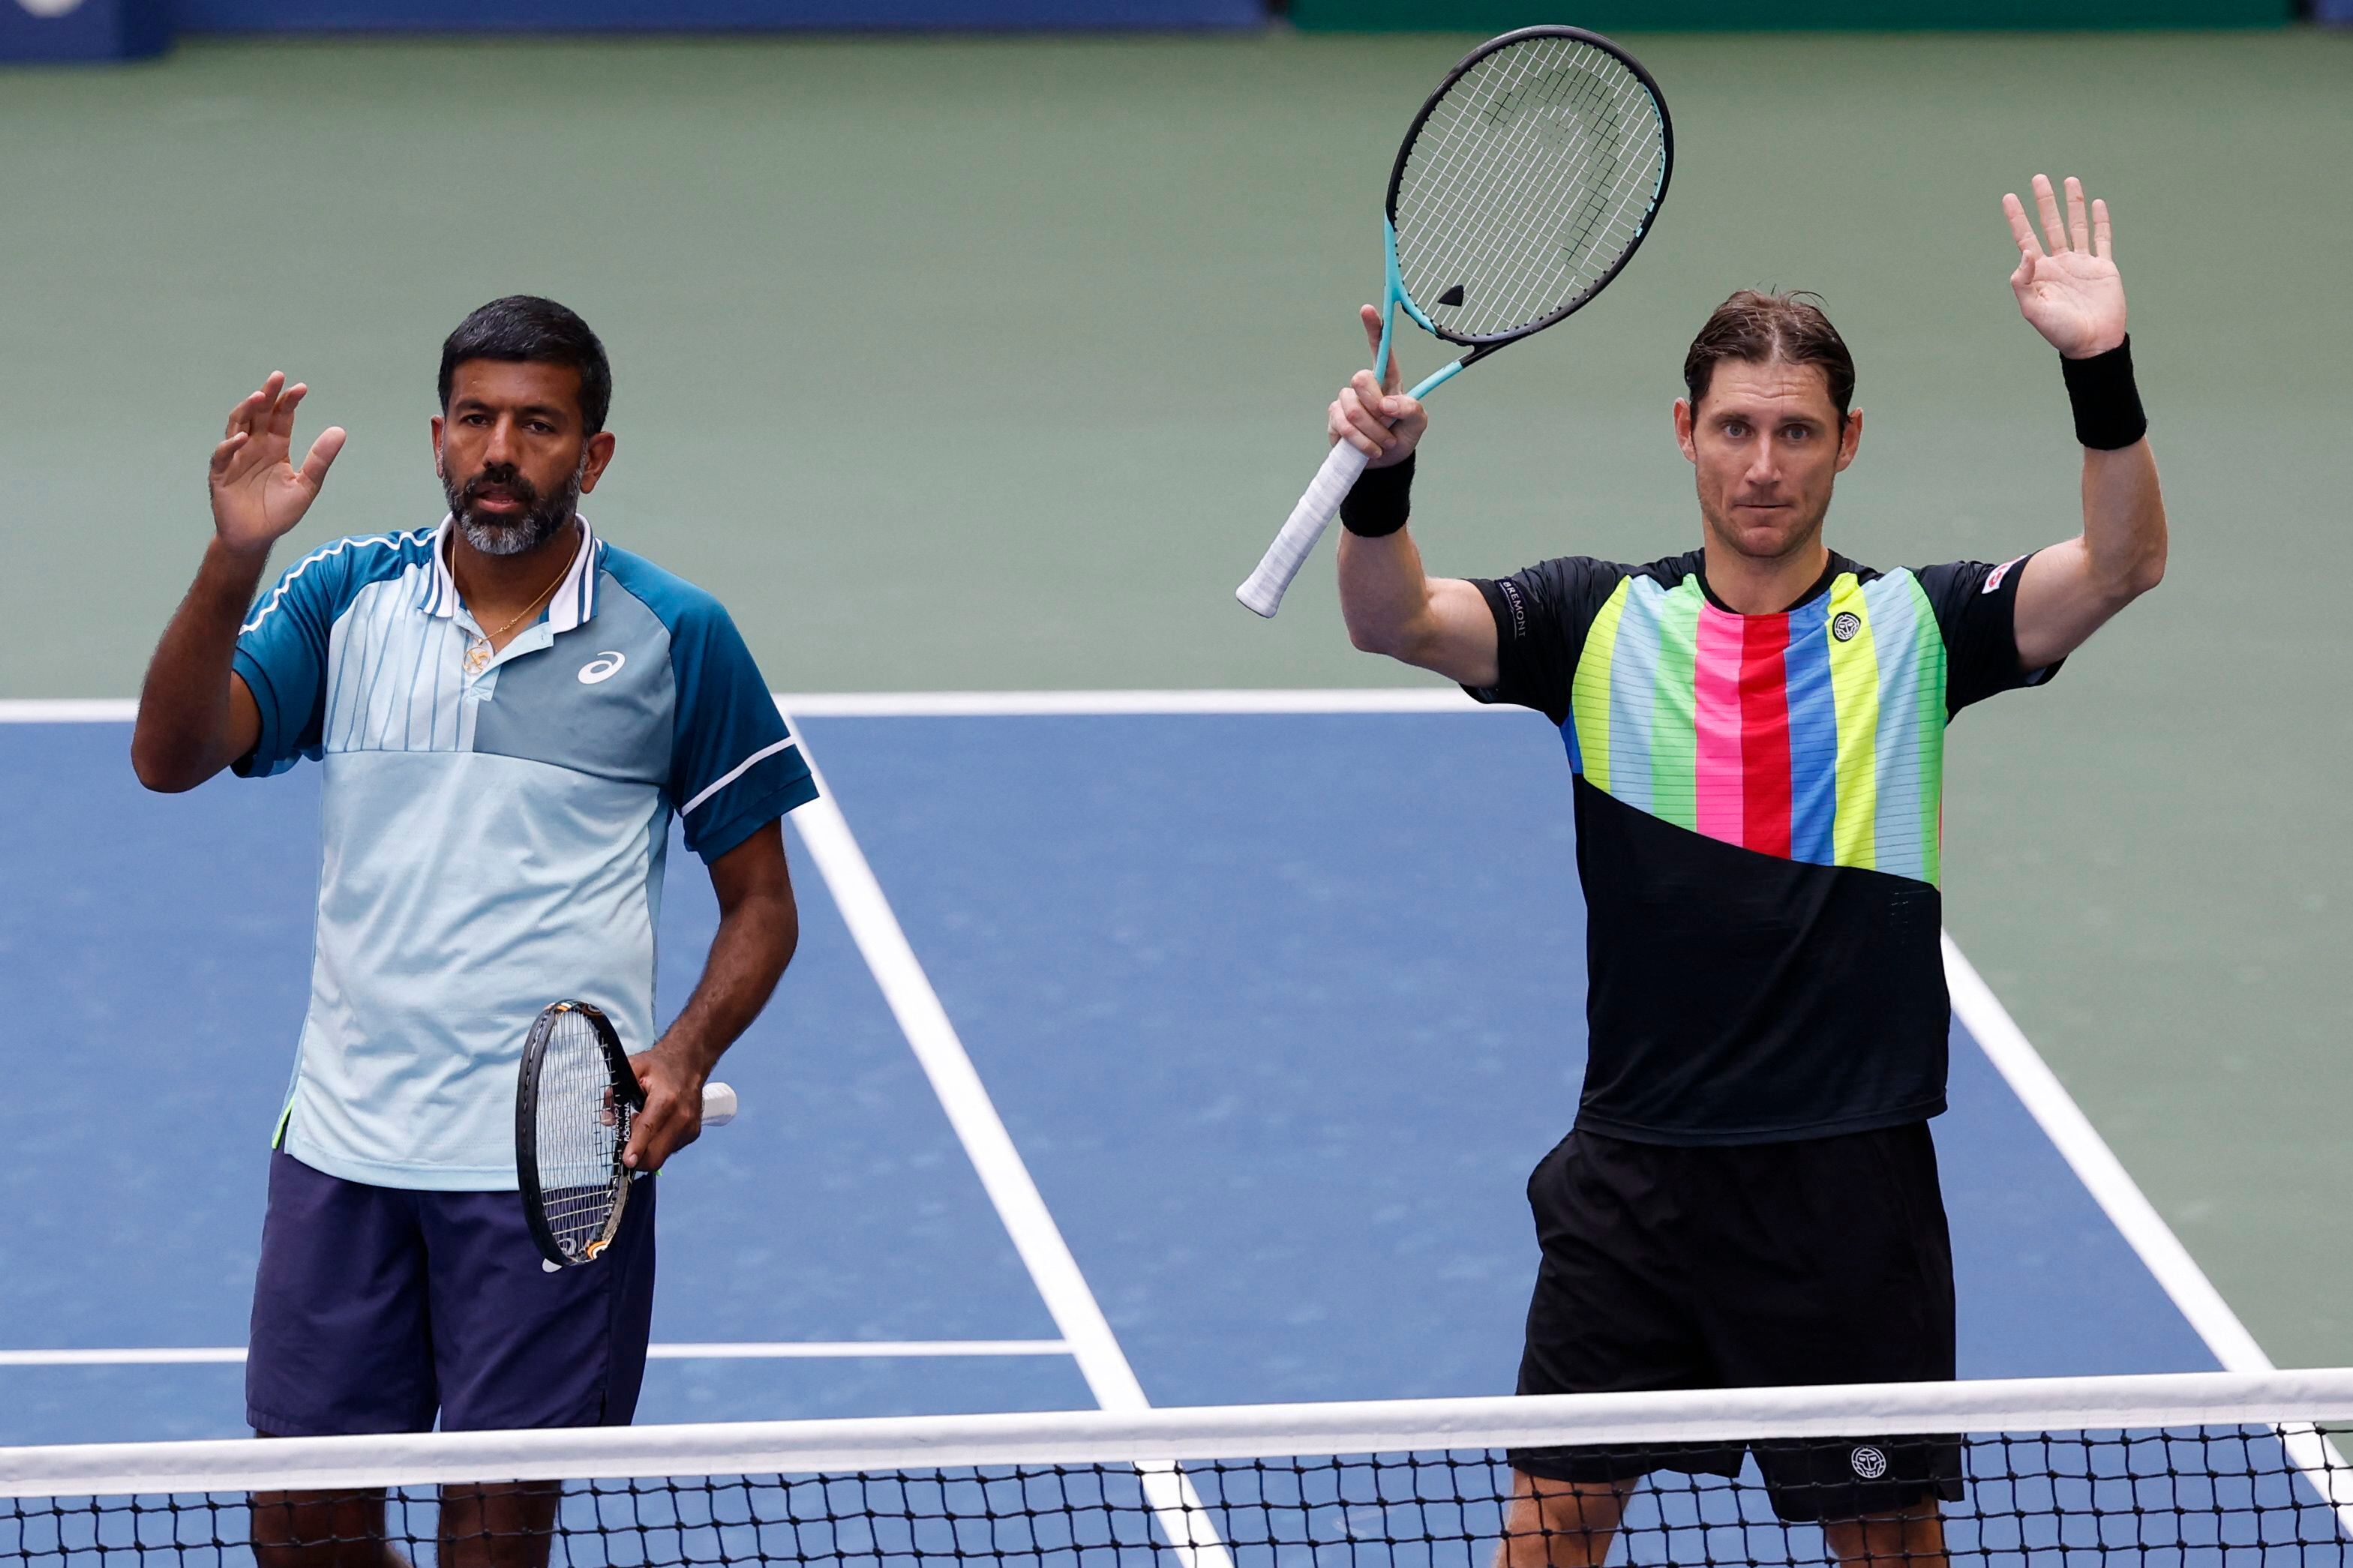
881	940
2128	1209
749	1350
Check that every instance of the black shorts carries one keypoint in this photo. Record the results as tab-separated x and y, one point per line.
1822	1260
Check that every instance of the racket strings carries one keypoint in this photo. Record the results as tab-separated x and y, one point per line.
581	1127
1512	198
1526	184
1480	154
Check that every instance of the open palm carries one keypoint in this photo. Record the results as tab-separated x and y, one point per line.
2072	294
258	493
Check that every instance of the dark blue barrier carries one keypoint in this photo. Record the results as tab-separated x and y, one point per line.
83	29
1740	16
691	16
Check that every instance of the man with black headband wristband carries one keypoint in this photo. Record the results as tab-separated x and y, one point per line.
1755	731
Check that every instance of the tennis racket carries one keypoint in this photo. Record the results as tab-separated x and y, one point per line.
574	1102
1523	187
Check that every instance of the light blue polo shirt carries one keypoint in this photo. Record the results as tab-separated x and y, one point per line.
492	841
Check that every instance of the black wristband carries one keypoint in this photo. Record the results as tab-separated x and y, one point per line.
2107	405
1379	502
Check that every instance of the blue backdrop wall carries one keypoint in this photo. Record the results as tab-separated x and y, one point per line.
571	15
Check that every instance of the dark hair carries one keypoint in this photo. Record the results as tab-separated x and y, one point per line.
1759	328
523	329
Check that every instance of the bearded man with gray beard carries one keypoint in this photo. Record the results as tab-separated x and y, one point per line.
510	712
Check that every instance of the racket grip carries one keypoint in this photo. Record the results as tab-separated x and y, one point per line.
1262	592
718	1104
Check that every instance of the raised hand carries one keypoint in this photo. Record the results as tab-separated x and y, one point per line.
258	493
2073	294
1374	415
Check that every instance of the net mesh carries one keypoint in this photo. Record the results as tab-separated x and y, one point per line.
1529	180
2166	1493
581	1128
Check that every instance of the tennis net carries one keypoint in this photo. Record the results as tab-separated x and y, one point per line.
2178	1470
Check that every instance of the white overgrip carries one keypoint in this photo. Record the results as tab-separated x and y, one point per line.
1262	592
718	1104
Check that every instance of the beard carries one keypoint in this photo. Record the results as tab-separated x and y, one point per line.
1779	545
541	519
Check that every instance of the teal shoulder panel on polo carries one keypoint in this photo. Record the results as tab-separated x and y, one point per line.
496	827
733	767
283	652
601	700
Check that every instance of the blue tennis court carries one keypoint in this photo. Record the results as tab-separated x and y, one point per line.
1275	1009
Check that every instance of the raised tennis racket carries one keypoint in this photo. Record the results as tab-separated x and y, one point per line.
1525	186
574	1102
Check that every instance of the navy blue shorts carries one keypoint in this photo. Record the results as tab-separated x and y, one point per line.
374	1308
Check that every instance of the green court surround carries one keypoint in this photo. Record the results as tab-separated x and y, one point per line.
993	363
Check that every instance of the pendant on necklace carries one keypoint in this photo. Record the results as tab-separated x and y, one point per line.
478	656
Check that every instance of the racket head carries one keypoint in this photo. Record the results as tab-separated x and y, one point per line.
1526	185
575	1097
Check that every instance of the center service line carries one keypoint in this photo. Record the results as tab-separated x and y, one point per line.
1019	1206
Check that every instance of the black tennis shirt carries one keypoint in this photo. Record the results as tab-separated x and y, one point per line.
1758	803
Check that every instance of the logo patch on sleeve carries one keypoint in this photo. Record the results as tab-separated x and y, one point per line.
1511	592
1994	577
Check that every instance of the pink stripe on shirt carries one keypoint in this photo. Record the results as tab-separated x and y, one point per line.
1717	708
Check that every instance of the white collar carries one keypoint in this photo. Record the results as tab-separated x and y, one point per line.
574	605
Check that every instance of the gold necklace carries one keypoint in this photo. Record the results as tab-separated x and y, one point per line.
478	652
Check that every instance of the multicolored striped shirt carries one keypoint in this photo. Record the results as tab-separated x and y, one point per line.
1759	807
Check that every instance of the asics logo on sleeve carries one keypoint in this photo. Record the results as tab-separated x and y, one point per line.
604	666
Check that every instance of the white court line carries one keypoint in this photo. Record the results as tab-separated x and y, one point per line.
166	1355
749	1350
67	710
1019	1206
1019	704
949	704
1989	1023
2096	1166
851	1350
2128	1209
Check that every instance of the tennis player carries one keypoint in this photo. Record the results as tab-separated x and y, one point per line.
510	710
1755	732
